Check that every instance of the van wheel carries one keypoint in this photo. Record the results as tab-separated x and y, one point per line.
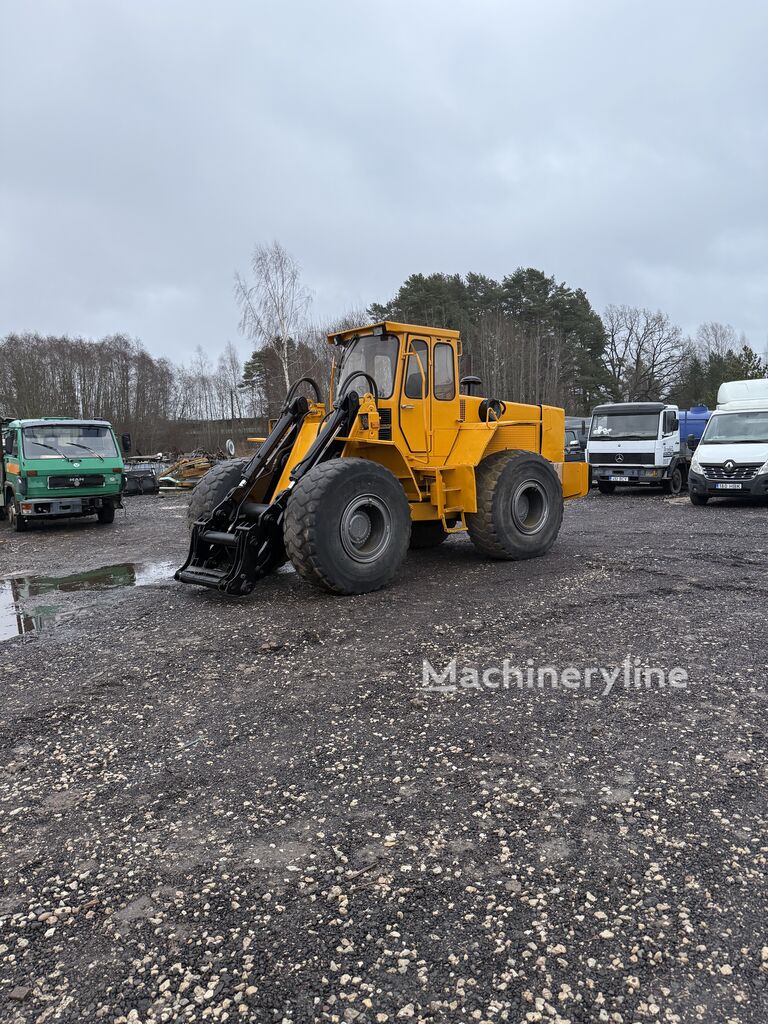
674	485
16	521
605	487
347	526
698	499
519	506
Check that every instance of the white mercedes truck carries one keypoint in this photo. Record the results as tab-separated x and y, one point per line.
731	459
632	443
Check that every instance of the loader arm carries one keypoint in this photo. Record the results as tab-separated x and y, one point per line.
241	541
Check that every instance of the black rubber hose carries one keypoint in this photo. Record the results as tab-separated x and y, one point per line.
295	386
344	386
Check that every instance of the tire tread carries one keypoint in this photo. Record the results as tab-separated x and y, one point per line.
481	525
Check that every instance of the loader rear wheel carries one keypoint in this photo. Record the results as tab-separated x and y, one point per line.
519	506
347	526
427	534
213	488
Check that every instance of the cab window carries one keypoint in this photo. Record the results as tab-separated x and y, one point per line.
375	355
445	373
10	443
417	370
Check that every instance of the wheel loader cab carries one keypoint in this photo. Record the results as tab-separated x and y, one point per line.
416	376
399	458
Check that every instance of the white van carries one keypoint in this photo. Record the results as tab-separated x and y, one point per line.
731	459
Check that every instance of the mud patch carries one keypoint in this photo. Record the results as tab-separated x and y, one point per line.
17	619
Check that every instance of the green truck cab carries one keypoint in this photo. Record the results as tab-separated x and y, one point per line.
56	467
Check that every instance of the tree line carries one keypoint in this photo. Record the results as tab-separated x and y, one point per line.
528	337
162	405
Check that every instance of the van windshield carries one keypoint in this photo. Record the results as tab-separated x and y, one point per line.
375	355
636	426
68	440
737	428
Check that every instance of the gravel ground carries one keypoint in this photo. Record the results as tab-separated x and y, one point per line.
251	810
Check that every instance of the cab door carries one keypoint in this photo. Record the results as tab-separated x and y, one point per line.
414	402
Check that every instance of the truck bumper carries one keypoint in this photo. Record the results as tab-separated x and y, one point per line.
49	507
629	475
757	487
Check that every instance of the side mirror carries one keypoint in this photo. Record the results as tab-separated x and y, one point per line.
692	442
125	442
670	422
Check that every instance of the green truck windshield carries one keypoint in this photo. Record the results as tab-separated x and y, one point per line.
69	440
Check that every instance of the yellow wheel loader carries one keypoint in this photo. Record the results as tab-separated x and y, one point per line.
403	456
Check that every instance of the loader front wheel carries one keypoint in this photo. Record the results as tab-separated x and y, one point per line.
519	506
213	488
347	526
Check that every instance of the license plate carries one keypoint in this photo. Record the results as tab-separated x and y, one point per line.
728	487
617	479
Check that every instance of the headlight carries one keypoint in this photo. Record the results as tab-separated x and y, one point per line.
763	469
696	465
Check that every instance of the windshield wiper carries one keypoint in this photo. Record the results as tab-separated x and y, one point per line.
73	444
53	448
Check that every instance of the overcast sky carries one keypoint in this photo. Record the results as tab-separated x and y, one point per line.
146	145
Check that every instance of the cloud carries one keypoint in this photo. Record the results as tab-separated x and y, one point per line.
148	146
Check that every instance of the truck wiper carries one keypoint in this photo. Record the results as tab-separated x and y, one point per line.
73	444
53	448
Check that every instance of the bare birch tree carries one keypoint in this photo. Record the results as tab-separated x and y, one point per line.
274	305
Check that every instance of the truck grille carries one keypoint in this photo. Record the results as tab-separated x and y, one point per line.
627	459
746	472
76	480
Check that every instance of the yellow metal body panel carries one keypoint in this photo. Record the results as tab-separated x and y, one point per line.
575	479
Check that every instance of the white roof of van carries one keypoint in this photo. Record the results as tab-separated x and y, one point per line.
743	394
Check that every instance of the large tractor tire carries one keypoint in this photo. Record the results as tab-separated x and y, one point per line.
347	526
214	487
519	506
427	534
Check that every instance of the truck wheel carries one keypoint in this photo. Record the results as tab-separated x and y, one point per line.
106	514
214	487
606	487
16	521
347	526
427	534
698	499
519	506
675	483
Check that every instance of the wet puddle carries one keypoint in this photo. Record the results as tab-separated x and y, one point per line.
17	589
